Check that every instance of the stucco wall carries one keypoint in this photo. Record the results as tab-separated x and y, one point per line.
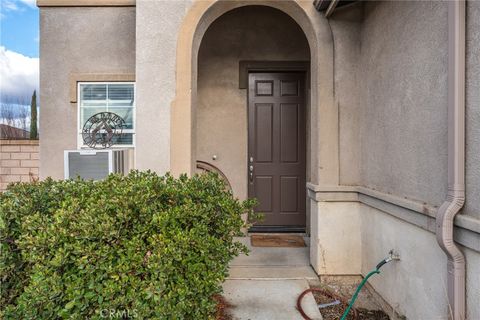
403	98
472	204
336	239
390	76
351	238
419	278
346	26
76	40
399	54
247	33
158	29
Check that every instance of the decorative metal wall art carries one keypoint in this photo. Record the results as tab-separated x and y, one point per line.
100	130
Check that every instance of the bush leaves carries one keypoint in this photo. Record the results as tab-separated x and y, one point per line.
142	245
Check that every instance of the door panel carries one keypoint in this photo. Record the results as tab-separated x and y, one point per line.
264	88
289	88
277	148
264	193
289	132
289	187
263	127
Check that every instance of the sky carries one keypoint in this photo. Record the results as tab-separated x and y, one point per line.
19	46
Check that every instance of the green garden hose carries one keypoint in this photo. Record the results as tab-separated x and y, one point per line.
350	305
390	257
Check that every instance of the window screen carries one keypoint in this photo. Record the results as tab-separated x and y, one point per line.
118	98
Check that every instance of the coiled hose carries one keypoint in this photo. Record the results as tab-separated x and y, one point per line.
325	293
391	257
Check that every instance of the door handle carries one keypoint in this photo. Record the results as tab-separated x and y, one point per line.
250	173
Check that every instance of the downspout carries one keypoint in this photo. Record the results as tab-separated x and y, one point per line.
331	8
456	160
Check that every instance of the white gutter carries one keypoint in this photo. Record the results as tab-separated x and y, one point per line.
456	160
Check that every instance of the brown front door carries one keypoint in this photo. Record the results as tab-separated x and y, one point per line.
276	147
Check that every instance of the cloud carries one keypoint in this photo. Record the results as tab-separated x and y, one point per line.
9	5
16	5
18	75
30	3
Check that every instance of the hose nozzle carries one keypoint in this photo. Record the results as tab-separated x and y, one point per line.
391	256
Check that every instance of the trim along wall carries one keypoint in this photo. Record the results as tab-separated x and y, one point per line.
86	3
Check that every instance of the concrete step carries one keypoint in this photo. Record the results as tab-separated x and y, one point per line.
274	257
272	272
268	300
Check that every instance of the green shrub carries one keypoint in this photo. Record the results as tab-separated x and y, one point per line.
140	246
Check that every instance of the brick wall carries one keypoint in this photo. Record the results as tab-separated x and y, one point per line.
18	161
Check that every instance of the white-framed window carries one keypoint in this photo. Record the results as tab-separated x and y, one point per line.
115	97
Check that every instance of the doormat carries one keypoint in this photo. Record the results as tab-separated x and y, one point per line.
277	241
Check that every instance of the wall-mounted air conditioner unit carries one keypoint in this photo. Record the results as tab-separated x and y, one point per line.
96	164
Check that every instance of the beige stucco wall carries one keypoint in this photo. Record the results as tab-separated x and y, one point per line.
76	40
157	35
390	104
403	99
346	26
397	54
324	149
352	237
472	204
247	33
419	278
158	41
335	239
391	120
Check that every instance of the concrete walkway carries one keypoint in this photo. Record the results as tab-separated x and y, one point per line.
266	284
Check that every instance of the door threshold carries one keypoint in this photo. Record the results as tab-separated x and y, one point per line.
276	229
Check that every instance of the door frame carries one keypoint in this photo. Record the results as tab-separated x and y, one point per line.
245	68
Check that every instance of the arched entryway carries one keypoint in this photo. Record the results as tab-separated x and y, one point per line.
322	141
263	43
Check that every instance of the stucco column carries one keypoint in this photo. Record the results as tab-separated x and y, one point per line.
157	28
